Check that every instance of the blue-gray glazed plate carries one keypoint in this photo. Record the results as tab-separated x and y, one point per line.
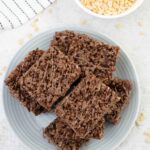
29	128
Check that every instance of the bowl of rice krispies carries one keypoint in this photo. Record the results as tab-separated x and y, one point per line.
109	9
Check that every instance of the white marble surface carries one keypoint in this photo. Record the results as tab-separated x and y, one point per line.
132	32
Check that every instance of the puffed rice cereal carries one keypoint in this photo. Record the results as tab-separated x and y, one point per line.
108	7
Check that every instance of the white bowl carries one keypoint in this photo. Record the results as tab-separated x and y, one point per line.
136	5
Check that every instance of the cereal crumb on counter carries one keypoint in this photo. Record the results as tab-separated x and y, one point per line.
29	35
34	23
36	29
147	133
50	11
4	68
140	23
83	22
20	41
36	20
147	140
140	119
119	25
141	33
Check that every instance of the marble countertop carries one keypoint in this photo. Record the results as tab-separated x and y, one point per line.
132	32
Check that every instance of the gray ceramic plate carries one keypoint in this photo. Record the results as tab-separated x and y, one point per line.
29	128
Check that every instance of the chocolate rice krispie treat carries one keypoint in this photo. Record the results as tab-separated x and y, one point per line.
61	130
14	87
50	77
70	145
123	89
59	133
63	144
86	105
91	55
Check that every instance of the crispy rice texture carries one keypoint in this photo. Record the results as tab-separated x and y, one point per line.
50	77
12	81
86	105
123	89
91	55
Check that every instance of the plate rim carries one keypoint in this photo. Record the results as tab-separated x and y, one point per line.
90	32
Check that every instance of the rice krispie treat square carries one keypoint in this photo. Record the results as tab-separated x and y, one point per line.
86	105
50	77
59	129
12	82
59	133
123	89
92	56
